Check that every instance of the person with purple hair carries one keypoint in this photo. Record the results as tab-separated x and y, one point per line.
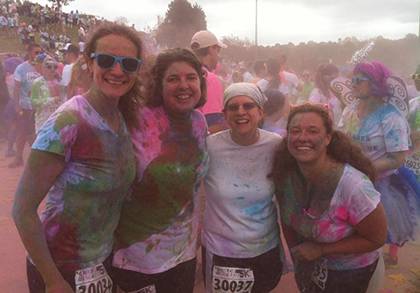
384	135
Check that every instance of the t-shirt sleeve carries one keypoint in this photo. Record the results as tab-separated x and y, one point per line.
58	134
364	198
396	133
18	74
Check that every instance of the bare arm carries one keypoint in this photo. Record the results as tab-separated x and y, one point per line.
415	138
16	94
370	235
390	161
40	173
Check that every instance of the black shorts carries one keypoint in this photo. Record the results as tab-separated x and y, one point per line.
179	279
266	269
345	281
36	283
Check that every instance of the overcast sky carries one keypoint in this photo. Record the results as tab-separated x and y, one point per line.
279	21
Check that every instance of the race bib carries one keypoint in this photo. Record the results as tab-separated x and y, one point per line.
227	279
94	279
148	289
320	274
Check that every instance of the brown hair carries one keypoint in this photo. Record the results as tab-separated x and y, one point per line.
80	78
129	102
324	69
341	148
162	63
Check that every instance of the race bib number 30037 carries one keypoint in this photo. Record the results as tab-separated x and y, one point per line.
230	280
94	279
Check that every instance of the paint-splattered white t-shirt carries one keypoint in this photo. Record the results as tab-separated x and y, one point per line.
383	131
240	219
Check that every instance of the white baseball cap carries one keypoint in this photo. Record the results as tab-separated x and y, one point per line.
204	39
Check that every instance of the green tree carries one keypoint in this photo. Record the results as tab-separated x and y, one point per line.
60	3
181	21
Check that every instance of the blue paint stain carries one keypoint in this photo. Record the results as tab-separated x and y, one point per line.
240	198
256	210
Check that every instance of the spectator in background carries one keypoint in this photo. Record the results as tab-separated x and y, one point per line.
4	99
71	55
289	80
260	71
322	93
45	92
80	80
246	75
276	110
207	48
306	87
24	75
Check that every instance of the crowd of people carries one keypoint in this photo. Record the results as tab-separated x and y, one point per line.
142	161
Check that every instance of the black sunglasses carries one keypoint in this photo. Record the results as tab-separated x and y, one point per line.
245	106
107	61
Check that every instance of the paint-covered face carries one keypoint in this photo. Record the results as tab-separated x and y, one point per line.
113	82
242	115
361	86
307	139
180	88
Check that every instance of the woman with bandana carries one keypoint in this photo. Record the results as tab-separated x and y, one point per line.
242	251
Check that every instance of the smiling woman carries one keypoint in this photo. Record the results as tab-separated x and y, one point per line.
83	161
240	230
158	230
332	217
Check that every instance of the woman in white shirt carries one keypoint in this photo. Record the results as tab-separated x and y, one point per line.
241	242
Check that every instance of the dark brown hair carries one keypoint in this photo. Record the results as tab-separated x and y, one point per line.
129	102
162	63
324	69
341	148
273	70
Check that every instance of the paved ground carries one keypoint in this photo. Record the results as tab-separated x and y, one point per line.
403	278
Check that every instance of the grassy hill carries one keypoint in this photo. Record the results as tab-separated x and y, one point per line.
11	43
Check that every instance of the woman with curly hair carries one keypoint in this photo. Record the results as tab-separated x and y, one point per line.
158	230
331	214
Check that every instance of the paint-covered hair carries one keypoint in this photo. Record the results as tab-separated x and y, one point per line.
378	74
341	148
162	63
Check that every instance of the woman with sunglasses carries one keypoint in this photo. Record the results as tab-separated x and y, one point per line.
45	91
383	134
331	214
241	241
322	93
156	239
83	162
